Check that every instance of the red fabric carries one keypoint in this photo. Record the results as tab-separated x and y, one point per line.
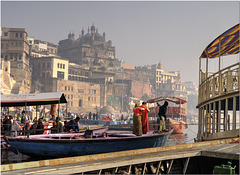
145	125
137	110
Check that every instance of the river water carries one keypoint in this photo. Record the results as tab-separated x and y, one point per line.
188	136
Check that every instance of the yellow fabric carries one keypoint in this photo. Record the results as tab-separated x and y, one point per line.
137	125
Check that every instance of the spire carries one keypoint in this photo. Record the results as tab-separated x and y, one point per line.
82	32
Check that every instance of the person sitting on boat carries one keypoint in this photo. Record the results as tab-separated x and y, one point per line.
7	125
137	119
26	128
15	129
34	126
162	116
145	125
57	126
40	127
72	125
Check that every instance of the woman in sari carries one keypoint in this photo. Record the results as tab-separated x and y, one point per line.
137	119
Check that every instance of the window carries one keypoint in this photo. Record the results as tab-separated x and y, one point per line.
71	103
89	98
60	74
6	58
21	35
19	65
43	65
80	103
16	35
72	88
68	88
80	90
6	69
11	57
39	65
5	34
48	65
65	88
58	65
71	96
63	66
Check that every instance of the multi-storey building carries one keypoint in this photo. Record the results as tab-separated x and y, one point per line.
40	48
46	68
7	80
89	49
15	48
55	74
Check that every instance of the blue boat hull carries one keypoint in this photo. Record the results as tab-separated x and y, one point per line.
79	147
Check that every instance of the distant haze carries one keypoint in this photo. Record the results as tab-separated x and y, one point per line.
175	33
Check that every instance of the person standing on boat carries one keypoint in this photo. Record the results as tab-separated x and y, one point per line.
24	117
162	116
137	119
145	125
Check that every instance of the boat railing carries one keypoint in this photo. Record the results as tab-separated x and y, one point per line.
220	83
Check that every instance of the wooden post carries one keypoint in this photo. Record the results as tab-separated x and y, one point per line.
219	68
226	115
206	119
210	118
58	108
214	118
158	167
219	116
234	113
186	165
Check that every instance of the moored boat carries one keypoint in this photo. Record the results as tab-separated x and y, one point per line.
67	145
178	126
176	115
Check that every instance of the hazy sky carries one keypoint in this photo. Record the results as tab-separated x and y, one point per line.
143	32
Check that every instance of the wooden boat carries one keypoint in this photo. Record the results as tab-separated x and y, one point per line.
178	126
176	115
67	145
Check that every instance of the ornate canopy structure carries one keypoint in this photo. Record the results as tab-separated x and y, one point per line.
225	44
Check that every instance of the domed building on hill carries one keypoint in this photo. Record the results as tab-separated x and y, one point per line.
89	48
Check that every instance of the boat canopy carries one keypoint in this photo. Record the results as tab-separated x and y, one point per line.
32	99
171	99
228	43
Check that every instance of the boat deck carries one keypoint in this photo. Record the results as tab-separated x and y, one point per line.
227	149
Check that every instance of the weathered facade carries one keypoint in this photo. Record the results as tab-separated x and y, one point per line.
45	68
7	80
15	48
